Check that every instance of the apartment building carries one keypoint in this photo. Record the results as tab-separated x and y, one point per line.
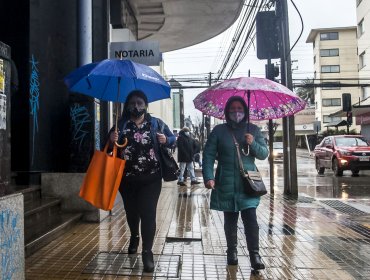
362	108
363	43
336	66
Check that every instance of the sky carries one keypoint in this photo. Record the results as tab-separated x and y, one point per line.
200	59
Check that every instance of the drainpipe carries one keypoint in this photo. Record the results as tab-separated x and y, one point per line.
84	32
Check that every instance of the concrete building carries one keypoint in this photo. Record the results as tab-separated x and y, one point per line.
335	63
363	43
362	108
50	133
178	105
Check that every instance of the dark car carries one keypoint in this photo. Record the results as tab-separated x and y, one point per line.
342	152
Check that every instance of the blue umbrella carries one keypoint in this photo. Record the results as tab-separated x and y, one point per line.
114	79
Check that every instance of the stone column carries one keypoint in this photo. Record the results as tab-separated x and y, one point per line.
12	237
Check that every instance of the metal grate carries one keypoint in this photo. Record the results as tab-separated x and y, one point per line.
344	208
305	199
123	264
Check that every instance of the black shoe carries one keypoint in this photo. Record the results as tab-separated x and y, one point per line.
148	261
195	183
256	261
181	183
134	243
232	256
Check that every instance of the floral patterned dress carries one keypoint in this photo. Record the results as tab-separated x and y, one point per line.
139	152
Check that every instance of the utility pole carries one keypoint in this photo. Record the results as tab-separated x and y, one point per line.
290	160
271	133
207	119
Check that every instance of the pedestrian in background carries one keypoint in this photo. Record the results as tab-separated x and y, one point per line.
185	152
142	180
227	188
196	157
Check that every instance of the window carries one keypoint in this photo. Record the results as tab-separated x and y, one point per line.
330	85
329	36
328	102
327	119
330	69
361	60
327	141
329	52
361	28
365	93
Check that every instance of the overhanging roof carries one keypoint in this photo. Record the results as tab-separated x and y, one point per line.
177	24
336	124
313	33
359	108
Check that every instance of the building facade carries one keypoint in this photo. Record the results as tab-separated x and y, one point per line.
363	43
50	133
362	108
335	71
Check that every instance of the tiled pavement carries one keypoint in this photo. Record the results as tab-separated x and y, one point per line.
300	239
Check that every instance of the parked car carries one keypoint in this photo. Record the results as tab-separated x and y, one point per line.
342	152
277	152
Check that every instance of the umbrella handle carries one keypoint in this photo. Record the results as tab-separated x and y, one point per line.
248	113
121	145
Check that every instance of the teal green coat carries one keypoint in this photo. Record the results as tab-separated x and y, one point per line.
228	194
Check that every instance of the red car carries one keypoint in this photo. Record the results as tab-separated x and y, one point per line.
342	152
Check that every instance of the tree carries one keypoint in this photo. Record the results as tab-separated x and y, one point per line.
306	91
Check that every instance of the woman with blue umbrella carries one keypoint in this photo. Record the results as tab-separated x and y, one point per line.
136	85
142	181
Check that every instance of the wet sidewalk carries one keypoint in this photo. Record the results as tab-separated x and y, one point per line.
300	239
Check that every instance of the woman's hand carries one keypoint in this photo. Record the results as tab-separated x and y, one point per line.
113	137
210	184
161	138
249	138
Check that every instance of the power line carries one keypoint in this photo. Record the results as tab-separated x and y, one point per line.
243	34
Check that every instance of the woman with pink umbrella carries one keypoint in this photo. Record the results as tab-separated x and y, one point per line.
238	100
227	188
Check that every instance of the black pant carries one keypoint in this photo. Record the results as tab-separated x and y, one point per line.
140	201
251	228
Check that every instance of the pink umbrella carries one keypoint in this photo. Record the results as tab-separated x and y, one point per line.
266	99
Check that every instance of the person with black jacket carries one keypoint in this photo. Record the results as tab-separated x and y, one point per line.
186	147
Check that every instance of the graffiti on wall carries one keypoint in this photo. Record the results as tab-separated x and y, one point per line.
34	100
10	235
79	117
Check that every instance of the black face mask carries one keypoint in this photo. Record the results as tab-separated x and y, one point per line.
136	113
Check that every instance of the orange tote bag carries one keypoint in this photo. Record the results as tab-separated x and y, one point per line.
102	179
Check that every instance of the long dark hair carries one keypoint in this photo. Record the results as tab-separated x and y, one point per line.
228	104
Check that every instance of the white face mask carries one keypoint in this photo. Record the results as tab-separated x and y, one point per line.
187	133
236	116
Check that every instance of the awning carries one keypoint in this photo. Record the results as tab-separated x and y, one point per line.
359	108
356	111
337	123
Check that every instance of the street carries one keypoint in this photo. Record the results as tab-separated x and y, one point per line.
323	234
320	186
